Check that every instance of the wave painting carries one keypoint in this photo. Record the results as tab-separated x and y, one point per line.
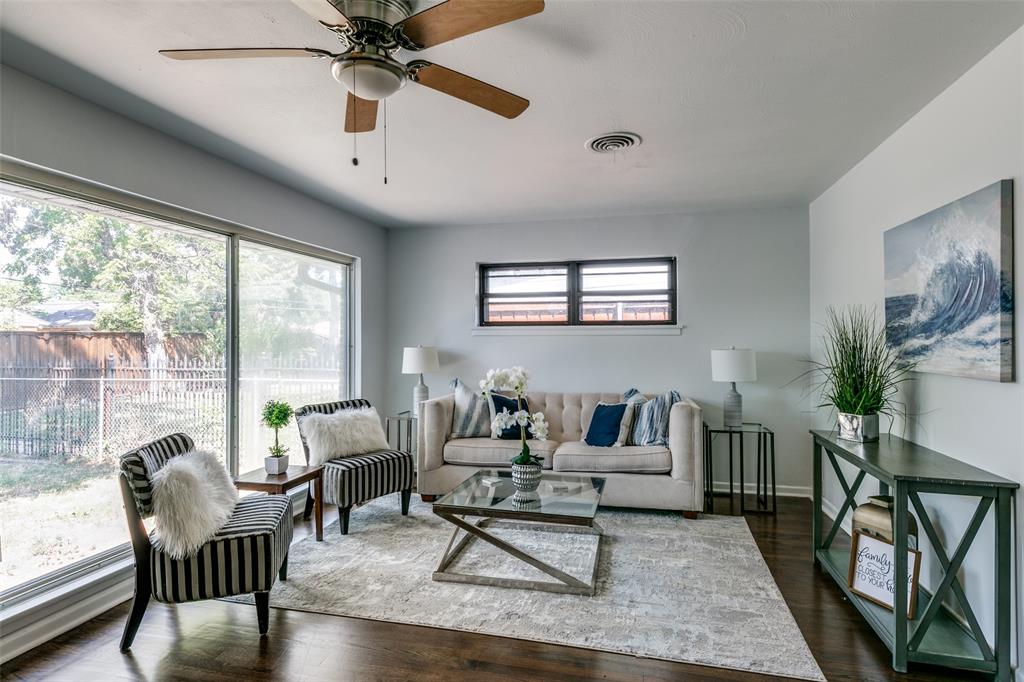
949	286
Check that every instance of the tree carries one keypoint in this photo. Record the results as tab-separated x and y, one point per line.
149	279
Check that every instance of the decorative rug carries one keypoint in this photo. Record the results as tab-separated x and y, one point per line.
689	591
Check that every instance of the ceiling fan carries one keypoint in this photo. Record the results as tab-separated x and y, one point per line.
372	30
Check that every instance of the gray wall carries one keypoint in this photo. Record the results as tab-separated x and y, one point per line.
742	281
968	137
55	129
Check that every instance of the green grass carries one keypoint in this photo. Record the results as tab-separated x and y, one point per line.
20	478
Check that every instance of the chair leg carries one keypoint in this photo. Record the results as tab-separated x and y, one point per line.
343	514
262	610
406	494
283	572
139	604
309	505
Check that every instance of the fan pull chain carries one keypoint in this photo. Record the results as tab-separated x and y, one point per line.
385	141
355	117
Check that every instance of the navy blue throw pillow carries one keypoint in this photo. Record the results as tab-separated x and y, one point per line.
499	403
604	427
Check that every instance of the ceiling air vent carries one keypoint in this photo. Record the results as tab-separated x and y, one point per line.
613	142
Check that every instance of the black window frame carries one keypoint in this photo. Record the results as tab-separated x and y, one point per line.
574	292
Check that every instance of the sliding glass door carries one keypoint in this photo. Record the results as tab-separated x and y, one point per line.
293	317
112	334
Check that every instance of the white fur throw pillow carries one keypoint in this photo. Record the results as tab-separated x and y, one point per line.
345	433
193	497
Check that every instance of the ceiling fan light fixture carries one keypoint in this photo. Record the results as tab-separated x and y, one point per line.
372	77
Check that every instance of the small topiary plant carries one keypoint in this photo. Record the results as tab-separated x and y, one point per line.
276	415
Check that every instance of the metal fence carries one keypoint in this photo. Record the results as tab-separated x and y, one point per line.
97	413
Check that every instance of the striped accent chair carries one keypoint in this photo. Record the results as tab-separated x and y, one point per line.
246	555
350	481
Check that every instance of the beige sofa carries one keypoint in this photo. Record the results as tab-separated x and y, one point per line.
647	477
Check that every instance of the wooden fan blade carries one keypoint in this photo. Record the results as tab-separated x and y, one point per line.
323	11
360	114
457	18
468	89
246	53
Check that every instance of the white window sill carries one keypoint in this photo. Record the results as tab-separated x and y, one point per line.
612	330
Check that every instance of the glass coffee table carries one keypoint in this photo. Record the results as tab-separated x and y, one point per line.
563	503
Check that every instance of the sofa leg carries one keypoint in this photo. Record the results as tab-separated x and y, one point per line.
691	515
139	604
283	572
428	498
262	610
406	495
343	515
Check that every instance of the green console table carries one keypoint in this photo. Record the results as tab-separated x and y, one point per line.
906	470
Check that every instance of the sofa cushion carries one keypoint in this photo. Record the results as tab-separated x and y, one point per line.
494	453
578	456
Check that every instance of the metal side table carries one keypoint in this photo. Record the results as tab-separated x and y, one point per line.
402	419
765	465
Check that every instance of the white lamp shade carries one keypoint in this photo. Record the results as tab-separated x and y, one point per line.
419	360
733	364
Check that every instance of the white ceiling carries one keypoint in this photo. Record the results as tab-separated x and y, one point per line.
739	103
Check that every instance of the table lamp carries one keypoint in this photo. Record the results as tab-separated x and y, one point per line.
418	360
732	365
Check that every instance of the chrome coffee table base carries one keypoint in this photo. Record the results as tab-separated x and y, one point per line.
471	531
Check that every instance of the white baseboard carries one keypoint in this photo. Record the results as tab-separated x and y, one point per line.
71	615
780	490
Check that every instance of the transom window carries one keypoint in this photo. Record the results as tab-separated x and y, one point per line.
591	292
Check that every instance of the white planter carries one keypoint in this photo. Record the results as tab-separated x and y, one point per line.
276	465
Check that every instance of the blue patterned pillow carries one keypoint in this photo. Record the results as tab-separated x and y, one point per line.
471	418
650	423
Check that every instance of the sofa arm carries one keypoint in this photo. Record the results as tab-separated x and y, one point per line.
686	442
435	427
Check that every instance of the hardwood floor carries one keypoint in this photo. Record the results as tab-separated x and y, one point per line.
218	640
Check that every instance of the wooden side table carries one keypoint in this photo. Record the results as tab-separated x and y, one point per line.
280	484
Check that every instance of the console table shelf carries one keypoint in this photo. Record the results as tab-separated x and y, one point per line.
934	635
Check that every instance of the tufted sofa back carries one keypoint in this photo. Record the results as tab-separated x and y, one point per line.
568	414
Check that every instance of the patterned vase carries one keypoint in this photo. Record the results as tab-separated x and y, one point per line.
526	477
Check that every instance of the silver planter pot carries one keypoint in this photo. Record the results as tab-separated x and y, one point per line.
526	477
862	428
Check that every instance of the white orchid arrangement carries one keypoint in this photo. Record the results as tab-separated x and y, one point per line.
515	379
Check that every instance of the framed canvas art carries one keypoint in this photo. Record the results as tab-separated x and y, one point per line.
873	571
949	286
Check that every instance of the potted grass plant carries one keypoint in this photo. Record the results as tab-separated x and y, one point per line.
860	374
275	415
526	467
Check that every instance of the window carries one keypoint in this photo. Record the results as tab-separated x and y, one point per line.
598	292
118	320
292	341
112	333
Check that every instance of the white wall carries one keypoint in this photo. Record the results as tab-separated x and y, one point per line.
53	128
742	281
968	137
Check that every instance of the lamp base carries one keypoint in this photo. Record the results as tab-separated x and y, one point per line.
420	393
733	407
